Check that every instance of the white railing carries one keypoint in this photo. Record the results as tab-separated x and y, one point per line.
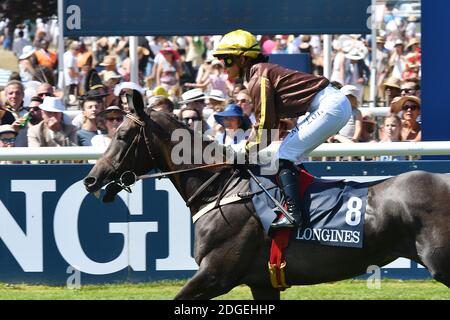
325	150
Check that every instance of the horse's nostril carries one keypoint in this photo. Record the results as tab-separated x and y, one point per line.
90	181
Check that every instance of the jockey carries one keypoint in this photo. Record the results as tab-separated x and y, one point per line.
278	93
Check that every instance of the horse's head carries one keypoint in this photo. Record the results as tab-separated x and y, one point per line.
129	153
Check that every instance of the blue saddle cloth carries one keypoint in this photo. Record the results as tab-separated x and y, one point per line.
333	210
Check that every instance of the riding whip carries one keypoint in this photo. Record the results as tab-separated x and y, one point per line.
275	201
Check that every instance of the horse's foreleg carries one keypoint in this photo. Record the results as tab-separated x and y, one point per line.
226	251
435	255
265	293
438	263
220	271
204	285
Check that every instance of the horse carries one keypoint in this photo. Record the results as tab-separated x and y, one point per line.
407	216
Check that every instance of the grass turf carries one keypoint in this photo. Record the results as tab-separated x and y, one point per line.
8	60
166	290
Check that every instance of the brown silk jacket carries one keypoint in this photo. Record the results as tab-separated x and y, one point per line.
279	93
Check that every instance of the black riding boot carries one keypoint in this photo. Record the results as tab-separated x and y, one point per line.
289	178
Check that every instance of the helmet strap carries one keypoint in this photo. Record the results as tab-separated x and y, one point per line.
240	65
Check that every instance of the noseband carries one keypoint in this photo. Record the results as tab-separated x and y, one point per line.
129	178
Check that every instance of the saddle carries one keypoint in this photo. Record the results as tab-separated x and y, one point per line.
334	215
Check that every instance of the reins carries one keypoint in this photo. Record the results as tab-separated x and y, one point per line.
129	178
169	173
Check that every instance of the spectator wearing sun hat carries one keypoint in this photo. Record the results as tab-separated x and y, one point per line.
409	106
356	71
392	89
397	60
167	69
7	136
52	131
413	60
368	129
215	103
109	63
341	45
113	117
194	98
110	80
26	66
8	140
235	123
109	73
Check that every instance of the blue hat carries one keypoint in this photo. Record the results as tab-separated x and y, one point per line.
233	110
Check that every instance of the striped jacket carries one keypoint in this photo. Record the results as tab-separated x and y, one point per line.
279	93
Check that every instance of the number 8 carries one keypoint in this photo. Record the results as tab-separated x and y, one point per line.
354	206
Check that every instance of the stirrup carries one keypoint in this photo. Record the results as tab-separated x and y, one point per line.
284	222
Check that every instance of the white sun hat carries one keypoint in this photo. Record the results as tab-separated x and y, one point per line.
52	104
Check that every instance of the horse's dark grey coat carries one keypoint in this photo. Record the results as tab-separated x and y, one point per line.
407	216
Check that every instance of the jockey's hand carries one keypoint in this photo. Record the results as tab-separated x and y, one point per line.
241	158
239	155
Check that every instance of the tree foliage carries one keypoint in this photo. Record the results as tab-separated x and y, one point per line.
19	10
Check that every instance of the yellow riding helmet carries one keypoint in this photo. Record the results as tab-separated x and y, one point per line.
239	43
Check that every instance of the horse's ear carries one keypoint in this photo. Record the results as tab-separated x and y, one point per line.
136	102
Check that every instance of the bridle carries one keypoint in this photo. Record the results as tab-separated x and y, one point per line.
128	178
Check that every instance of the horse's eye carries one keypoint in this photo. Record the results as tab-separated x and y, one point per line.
121	135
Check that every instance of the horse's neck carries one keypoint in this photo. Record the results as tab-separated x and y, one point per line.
172	140
188	183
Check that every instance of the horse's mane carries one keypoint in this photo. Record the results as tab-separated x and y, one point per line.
163	124
159	117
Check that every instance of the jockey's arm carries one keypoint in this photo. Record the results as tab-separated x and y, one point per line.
263	97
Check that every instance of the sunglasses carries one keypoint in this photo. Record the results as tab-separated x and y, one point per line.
241	101
48	94
228	62
118	119
409	106
8	140
187	120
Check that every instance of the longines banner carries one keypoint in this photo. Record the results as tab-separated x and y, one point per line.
205	17
52	230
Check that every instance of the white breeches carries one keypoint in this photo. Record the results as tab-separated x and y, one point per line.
329	112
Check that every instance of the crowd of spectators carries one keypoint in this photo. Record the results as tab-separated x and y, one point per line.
178	75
